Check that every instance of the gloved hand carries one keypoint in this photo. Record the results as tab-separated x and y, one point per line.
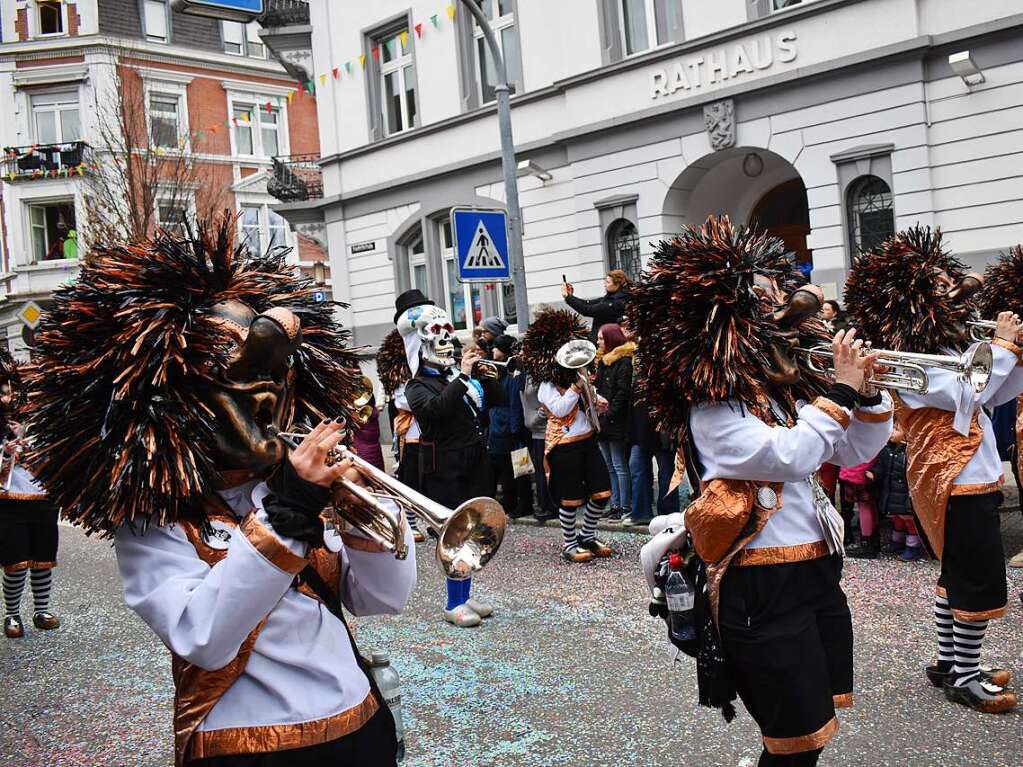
294	505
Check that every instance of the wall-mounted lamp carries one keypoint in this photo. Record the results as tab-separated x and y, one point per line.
319	273
752	165
530	168
964	66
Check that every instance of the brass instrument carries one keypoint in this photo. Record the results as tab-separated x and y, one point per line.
362	405
467	537
578	355
982	330
907	370
489	368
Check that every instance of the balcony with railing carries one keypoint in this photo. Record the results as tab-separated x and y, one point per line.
25	163
288	36
285	13
296	178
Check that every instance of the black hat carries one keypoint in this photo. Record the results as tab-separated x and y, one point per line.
505	343
407	300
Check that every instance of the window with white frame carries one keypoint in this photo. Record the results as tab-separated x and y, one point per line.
52	232
501	14
257	131
171	215
155	16
55	117
262	228
242	39
165	129
761	8
464	301
397	81
49	17
645	24
417	263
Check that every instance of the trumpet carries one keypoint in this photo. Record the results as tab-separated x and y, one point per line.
907	371
578	355
467	537
490	368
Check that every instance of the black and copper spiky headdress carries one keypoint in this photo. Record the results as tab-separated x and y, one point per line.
893	300
703	332
1003	285
392	364
10	376
548	332
120	430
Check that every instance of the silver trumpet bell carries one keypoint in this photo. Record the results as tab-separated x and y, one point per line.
468	536
907	370
578	355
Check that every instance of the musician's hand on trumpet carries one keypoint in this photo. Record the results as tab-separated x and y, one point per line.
1007	326
312	459
470	359
853	366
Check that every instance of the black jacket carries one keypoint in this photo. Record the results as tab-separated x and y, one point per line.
614	383
453	465
610	308
890	481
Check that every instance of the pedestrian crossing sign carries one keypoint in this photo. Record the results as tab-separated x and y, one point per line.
481	244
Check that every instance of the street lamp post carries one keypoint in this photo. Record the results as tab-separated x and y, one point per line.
511	185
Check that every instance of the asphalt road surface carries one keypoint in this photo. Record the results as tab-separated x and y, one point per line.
569	671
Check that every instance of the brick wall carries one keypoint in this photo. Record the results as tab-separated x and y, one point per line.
21	24
303	127
73	20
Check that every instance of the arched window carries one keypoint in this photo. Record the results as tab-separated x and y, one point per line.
870	213
623	248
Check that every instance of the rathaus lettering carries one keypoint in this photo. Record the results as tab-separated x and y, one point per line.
721	65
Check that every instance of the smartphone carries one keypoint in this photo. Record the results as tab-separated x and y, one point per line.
563	278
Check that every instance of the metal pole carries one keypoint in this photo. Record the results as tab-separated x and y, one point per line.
511	182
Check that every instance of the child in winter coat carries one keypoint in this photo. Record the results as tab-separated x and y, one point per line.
893	499
857	483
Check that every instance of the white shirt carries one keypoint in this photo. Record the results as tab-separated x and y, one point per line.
946	392
302	667
734	444
560	404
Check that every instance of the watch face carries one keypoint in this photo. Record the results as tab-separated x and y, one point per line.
766	497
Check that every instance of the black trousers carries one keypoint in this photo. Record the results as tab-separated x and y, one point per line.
787	633
516	495
28	534
373	745
973	561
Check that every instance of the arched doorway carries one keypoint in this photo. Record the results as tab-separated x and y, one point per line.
748	184
784	213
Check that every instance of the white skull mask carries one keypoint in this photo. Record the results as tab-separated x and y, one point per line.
434	329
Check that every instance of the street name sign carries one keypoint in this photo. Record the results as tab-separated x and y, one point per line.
232	10
481	244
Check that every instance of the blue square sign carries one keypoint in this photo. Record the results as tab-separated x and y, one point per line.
233	10
481	244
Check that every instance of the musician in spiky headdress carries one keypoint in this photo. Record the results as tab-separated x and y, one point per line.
28	521
577	475
394	373
164	375
720	316
1003	290
911	294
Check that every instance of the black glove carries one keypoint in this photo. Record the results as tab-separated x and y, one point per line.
294	505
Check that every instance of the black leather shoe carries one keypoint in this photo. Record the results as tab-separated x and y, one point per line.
980	696
46	621
13	627
996	676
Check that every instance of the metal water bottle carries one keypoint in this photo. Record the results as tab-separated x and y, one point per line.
390	687
681	597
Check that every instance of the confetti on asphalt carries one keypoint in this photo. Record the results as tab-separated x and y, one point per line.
569	671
